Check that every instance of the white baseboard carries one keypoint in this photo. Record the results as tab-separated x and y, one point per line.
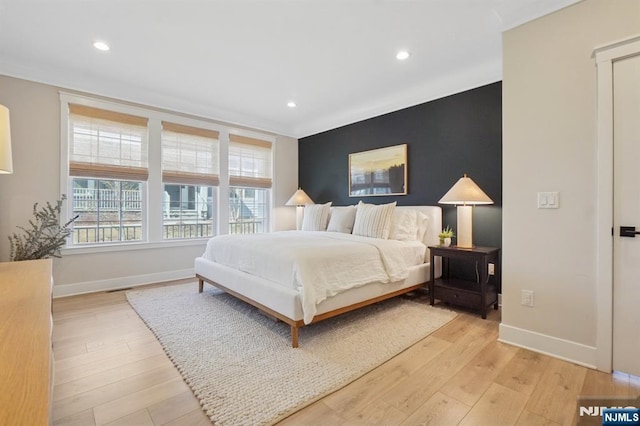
118	283
567	350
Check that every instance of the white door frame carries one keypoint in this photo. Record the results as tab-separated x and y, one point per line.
605	56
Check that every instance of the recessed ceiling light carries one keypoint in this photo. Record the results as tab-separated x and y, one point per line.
291	104
402	55
101	45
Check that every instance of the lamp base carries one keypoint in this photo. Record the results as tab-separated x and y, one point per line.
465	226
299	212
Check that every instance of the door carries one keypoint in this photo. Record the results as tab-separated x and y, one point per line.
626	212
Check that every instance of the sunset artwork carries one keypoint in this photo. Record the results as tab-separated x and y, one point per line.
380	171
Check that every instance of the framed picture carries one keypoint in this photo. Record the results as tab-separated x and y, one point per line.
380	171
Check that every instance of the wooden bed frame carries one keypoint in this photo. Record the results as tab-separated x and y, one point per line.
234	282
296	324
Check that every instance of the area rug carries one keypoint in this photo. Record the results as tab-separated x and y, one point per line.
240	364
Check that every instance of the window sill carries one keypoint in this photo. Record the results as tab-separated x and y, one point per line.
119	247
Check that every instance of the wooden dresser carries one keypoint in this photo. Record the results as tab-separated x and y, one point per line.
26	361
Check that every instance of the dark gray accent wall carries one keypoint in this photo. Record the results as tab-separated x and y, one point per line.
447	137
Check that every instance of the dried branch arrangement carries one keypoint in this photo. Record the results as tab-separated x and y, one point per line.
45	236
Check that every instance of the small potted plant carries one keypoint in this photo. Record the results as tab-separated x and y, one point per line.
445	236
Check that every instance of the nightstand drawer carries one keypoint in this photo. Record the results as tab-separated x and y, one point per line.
458	297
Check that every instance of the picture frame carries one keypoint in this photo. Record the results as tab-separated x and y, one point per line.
378	172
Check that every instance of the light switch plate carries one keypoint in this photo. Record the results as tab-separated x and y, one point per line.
548	200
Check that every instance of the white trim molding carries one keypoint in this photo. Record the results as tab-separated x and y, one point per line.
120	283
605	56
548	345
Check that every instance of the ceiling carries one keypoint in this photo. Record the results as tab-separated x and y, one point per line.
241	61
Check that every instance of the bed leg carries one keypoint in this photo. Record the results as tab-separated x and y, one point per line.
294	336
200	285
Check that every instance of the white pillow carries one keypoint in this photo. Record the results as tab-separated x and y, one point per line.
404	225
315	217
423	225
373	220
342	219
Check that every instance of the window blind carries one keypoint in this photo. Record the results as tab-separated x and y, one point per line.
107	144
249	162
189	155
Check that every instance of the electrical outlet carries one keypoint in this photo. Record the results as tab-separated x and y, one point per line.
492	269
526	298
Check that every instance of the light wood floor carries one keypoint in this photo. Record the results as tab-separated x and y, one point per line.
110	369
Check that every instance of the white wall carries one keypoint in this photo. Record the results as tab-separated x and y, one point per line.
285	171
549	144
35	129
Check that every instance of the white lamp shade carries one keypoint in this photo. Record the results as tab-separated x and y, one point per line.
465	192
299	198
6	163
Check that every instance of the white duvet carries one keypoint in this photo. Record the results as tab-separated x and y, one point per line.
317	264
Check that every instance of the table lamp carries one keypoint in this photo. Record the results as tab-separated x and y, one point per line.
6	164
465	193
299	199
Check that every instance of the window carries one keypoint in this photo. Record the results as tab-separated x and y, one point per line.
188	211
139	175
108	167
250	172
107	210
190	175
248	210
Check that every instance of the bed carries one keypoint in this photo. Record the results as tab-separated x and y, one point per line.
286	274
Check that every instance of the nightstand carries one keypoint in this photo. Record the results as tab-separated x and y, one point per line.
478	294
